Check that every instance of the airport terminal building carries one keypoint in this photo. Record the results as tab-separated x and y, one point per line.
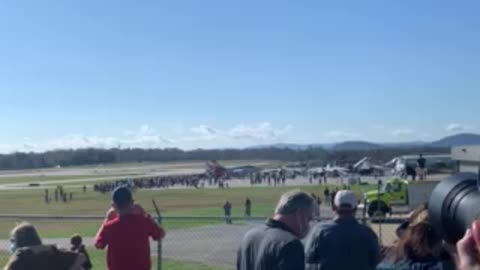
467	158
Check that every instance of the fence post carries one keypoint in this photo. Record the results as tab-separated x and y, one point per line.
364	212
159	245
380	235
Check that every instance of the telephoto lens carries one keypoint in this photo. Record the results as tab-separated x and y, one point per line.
454	205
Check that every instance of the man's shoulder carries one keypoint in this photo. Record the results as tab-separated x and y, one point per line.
356	225
273	233
337	224
324	225
367	230
257	230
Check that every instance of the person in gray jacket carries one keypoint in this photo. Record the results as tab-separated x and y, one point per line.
276	245
343	243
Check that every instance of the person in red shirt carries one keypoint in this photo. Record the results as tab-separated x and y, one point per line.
126	232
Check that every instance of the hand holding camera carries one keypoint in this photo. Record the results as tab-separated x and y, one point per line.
136	209
468	249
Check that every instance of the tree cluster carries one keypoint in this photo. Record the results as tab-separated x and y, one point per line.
91	156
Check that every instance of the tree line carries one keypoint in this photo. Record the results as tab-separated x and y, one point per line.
90	156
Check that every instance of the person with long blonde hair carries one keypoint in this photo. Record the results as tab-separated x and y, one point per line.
419	247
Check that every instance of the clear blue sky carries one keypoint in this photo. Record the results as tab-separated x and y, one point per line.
235	73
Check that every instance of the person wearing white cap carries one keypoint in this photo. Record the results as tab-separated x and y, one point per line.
342	243
346	201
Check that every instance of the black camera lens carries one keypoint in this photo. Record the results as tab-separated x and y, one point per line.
454	205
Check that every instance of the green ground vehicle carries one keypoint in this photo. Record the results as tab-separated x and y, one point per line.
397	192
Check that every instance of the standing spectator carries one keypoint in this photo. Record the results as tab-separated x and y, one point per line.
84	189
326	195
419	247
56	195
344	243
276	245
411	171
332	197
248	207
126	233
319	201
60	191
421	170
227	211
47	199
78	247
28	252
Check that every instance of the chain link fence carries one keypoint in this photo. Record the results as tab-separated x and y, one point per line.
215	243
206	243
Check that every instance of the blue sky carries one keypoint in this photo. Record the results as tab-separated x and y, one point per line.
235	73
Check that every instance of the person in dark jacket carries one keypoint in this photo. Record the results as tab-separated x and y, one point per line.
344	243
411	171
248	207
28	252
77	246
227	211
276	245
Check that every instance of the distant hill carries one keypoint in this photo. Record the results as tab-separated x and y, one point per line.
356	145
457	140
454	140
406	144
292	146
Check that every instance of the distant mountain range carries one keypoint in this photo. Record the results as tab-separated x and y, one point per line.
454	140
458	140
356	145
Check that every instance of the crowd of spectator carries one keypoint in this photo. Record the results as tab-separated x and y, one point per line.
167	181
273	177
277	177
59	195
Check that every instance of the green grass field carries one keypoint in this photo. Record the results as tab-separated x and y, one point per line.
174	202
